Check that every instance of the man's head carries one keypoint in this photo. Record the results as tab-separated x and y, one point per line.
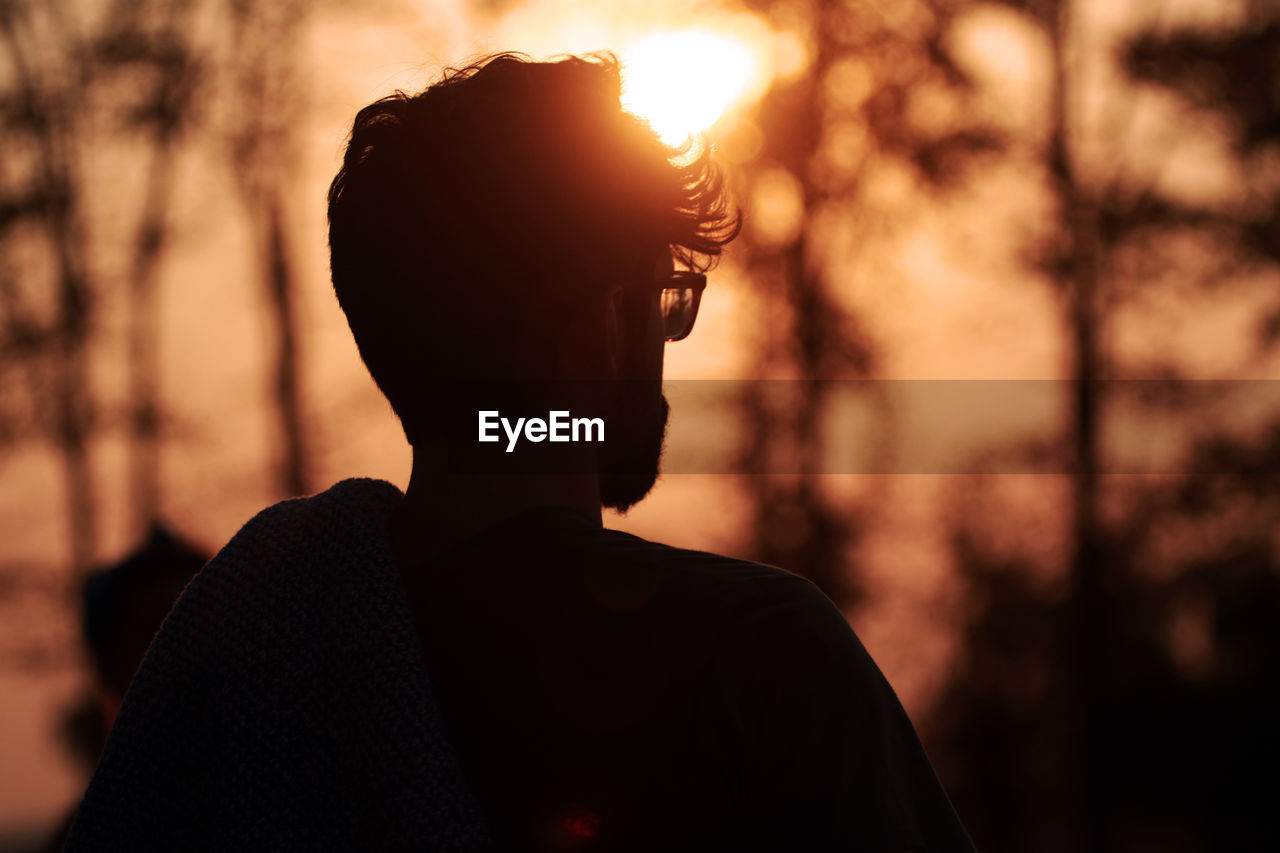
507	223
125	603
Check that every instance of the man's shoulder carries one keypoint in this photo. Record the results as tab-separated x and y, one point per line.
746	594
700	566
557	565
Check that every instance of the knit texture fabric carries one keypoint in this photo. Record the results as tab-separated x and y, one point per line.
285	703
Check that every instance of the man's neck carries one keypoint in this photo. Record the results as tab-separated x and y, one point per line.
441	510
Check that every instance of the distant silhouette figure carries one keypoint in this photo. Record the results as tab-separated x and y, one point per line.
477	663
122	606
125	603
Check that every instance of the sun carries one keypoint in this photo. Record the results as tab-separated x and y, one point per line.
682	81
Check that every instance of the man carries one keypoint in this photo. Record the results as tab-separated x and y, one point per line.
501	670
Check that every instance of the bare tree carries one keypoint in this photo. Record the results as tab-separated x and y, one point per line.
150	42
43	206
869	62
267	101
825	130
59	109
1095	650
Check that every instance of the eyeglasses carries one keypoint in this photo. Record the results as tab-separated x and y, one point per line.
681	296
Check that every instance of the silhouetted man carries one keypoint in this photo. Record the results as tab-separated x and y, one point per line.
478	662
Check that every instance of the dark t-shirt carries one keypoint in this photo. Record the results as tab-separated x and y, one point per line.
609	693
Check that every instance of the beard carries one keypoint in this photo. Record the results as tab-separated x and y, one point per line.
629	466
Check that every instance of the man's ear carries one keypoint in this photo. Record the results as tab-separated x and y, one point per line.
595	352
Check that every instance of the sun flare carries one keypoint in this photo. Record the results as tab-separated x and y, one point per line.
683	81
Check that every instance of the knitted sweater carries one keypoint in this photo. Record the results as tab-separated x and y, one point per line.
285	703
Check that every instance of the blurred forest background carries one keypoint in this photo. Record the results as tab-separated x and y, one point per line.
1080	192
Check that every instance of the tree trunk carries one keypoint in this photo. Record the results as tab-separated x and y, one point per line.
1086	611
294	477
144	403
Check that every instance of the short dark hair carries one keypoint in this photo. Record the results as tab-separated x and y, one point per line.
490	197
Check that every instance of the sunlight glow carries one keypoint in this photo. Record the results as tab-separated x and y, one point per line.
683	81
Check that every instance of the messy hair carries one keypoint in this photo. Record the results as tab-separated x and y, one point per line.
493	196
